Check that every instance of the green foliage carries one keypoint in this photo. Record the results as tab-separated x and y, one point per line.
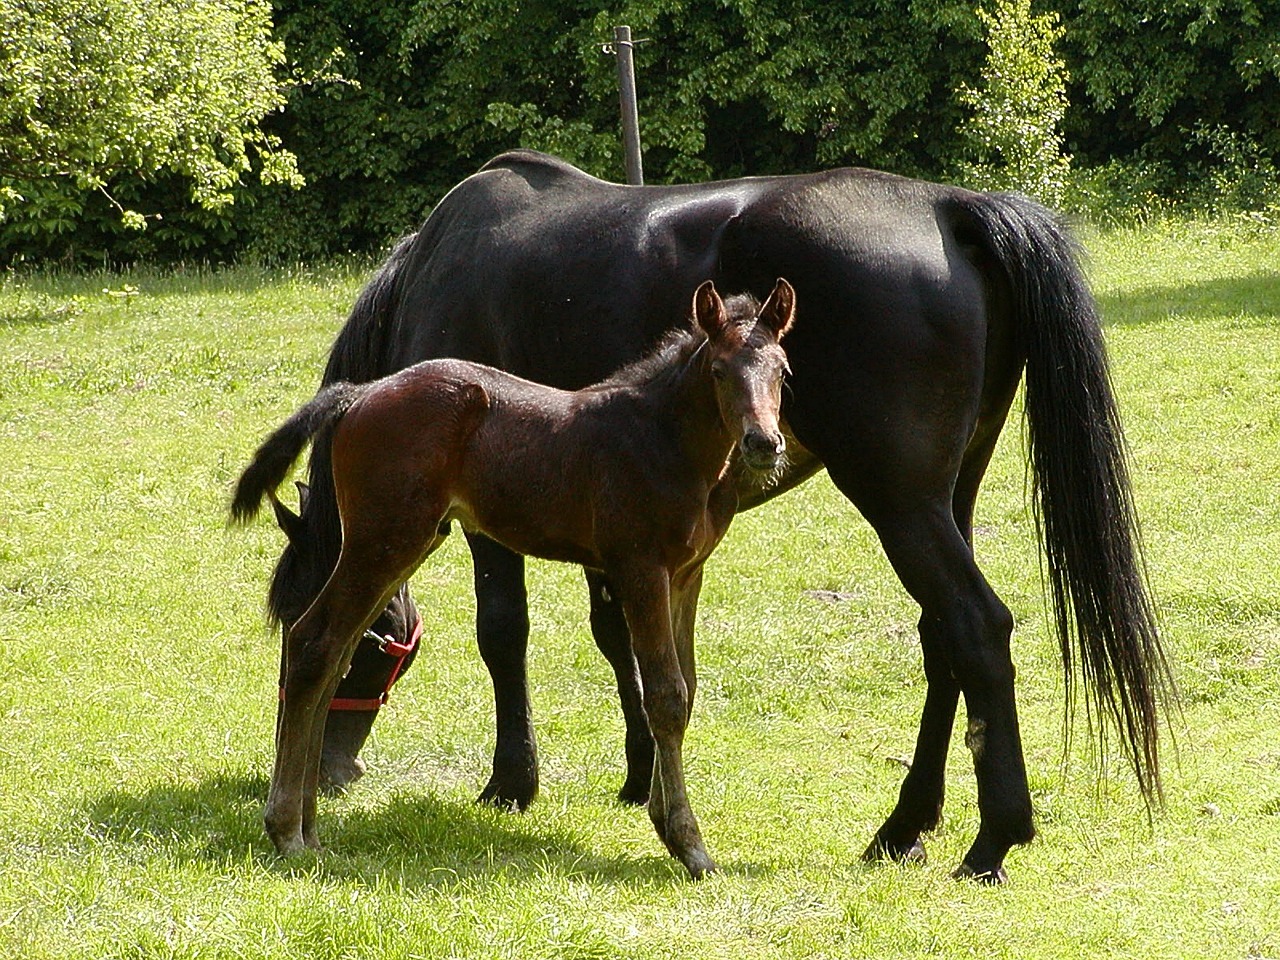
1014	135
92	90
1179	90
439	86
386	105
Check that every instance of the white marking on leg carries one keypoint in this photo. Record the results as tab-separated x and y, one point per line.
975	738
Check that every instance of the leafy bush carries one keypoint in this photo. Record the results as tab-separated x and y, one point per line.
388	103
1186	95
434	88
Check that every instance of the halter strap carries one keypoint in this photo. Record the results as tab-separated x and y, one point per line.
392	648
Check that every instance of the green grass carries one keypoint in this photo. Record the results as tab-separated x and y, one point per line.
138	677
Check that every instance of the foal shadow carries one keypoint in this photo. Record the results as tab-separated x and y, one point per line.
411	841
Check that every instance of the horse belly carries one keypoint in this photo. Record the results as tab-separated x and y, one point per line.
524	531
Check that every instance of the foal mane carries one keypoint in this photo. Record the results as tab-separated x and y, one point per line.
668	357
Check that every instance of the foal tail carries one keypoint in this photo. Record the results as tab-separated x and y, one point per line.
278	453
1083	505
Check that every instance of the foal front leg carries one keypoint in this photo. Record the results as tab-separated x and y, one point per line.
647	604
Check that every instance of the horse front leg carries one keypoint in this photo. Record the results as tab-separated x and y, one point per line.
647	605
375	666
502	633
609	628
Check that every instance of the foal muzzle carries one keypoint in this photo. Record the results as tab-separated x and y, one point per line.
760	451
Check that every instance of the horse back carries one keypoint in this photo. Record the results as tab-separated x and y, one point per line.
536	268
903	346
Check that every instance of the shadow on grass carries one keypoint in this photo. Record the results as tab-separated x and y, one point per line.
1251	299
39	311
410	841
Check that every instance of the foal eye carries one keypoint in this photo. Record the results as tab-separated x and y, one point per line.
717	370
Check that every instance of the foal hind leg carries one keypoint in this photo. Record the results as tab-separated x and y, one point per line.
609	628
317	650
372	565
502	633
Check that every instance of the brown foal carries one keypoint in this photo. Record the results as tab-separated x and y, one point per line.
630	477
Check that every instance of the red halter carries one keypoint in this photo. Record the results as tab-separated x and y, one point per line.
391	648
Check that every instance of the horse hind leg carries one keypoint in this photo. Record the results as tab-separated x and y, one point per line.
920	801
919	806
964	632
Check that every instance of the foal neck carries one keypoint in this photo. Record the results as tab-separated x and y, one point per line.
705	437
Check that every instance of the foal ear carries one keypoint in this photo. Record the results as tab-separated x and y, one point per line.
287	520
779	311
708	308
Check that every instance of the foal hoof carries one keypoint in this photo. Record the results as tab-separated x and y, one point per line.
880	851
991	878
288	845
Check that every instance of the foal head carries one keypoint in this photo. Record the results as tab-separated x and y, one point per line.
747	364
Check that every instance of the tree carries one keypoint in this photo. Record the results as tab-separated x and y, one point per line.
1013	135
91	90
726	88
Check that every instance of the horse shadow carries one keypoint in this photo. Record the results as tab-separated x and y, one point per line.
1227	297
410	840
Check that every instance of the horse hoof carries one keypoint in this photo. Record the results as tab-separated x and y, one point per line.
338	773
991	878
699	865
506	797
633	795
880	851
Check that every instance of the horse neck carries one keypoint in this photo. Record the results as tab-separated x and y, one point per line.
704	437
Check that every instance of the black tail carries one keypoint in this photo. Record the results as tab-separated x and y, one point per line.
278	453
1084	509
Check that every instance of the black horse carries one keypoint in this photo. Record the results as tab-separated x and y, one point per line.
921	305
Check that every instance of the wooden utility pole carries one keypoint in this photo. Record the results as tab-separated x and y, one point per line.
622	47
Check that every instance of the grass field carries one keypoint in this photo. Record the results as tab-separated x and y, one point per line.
137	689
